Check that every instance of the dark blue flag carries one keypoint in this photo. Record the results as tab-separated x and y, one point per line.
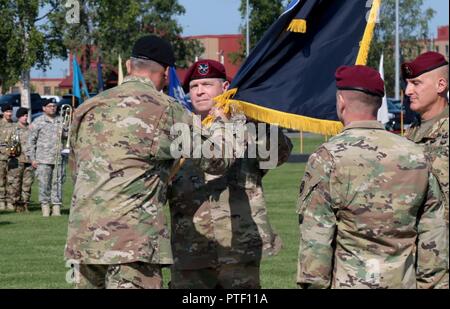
288	79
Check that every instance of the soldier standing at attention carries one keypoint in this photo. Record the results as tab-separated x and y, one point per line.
23	175
427	78
43	146
121	165
370	210
220	226
6	129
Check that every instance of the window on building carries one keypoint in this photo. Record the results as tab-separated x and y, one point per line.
446	50
15	89
47	90
437	49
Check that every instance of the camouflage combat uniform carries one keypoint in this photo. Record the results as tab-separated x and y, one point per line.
433	134
22	173
220	226
121	163
43	144
6	196
371	214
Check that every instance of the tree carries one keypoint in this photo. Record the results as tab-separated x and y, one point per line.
413	31
108	29
27	41
263	13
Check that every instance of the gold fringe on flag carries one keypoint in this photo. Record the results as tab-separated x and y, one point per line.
285	120
297	25
364	49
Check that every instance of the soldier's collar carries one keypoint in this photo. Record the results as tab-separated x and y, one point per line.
443	114
144	80
368	124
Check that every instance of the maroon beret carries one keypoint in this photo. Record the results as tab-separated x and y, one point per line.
360	78
204	69
424	63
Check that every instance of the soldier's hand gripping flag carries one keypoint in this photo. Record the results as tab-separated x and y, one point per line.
288	79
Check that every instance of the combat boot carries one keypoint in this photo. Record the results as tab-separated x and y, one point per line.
45	211
2	206
56	211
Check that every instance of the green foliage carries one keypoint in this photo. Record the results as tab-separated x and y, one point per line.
263	14
113	26
27	39
413	28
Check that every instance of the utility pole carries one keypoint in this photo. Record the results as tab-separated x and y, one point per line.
247	17
397	51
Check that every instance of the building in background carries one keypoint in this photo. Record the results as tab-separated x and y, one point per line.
441	42
219	48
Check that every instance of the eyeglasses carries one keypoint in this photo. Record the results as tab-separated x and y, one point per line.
51	106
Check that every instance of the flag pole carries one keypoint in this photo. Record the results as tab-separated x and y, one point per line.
73	89
247	18
301	142
397	51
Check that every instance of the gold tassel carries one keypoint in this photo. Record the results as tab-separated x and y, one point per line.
297	25
290	121
223	103
263	114
364	48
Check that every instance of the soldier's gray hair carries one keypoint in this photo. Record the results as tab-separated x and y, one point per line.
139	65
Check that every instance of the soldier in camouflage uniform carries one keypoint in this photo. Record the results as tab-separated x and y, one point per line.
43	143
370	210
427	79
6	130
121	166
23	175
220	227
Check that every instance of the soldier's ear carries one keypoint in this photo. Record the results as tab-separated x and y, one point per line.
340	103
442	86
225	85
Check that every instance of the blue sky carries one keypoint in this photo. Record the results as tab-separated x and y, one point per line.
223	17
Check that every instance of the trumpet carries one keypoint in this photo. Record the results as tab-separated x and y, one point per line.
63	150
66	115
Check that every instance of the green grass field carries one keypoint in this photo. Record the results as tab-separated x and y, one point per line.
32	247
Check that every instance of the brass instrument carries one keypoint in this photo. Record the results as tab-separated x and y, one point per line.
13	146
63	149
66	115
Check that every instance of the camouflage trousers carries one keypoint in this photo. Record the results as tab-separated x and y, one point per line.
136	275
22	177
50	184
6	179
231	276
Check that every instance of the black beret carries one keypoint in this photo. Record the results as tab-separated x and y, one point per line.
7	107
46	102
21	112
154	48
